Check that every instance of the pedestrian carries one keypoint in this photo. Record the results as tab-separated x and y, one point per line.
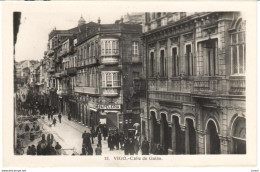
33	150
98	150
29	151
131	146
58	148
121	140
86	141
159	150
49	138
126	146
93	135
53	151
49	116
27	128
83	151
59	116
54	121
145	147
99	139
90	150
117	140
52	116
39	150
136	146
105	132
109	141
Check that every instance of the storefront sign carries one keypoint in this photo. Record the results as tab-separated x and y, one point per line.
109	107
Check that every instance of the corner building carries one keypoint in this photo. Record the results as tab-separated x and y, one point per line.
108	64
195	69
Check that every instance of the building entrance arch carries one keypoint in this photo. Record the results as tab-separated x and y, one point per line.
190	137
239	135
155	131
212	138
177	136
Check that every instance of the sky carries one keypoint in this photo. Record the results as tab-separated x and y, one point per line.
35	26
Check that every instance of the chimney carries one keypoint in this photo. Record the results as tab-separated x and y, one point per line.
99	21
121	20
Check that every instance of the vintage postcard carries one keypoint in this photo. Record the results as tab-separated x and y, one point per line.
121	83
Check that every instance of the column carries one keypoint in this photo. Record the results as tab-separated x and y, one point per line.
173	135
187	139
162	133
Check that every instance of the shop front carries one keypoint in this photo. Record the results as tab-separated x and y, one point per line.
111	115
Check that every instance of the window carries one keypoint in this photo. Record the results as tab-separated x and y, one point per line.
109	47
162	64
135	50
152	64
188	61
238	49
175	62
211	61
111	79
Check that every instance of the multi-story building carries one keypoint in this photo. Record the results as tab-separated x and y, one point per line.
97	71
195	71
108	62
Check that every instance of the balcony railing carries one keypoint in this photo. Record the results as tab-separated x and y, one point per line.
110	92
87	90
109	60
237	85
87	62
200	86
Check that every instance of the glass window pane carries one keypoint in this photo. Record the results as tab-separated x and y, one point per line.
241	59
235	65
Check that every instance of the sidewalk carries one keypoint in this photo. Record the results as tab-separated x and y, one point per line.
69	135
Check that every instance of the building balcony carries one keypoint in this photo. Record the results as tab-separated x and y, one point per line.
200	86
109	60
110	92
87	62
87	90
72	71
136	59
237	85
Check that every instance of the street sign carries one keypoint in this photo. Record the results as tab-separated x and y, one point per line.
109	107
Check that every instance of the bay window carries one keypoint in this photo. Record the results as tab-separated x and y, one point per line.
109	47
111	79
238	60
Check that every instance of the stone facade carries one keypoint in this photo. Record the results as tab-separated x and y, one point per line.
195	71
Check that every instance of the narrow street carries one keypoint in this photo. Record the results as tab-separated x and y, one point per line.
69	135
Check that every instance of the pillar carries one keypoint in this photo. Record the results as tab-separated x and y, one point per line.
162	139
173	135
187	138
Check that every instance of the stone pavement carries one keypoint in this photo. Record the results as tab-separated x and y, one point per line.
69	135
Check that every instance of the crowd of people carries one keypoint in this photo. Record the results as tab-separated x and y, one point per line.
45	147
115	141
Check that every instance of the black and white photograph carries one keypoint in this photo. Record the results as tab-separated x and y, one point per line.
153	83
